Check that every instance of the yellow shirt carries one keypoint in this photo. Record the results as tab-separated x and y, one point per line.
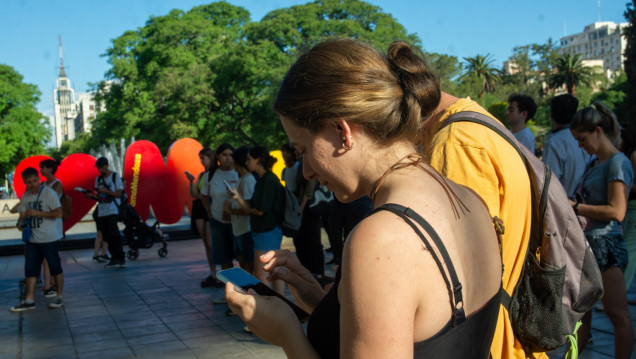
477	157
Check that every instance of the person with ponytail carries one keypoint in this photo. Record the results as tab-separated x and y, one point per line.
266	209
358	119
605	188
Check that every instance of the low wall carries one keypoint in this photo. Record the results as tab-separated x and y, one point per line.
6	205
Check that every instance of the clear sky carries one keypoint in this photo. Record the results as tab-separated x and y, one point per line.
29	29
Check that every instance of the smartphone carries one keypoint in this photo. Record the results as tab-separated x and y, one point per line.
227	185
244	281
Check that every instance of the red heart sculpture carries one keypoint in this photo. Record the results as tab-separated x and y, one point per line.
150	182
76	170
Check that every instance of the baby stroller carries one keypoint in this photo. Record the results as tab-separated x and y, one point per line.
140	235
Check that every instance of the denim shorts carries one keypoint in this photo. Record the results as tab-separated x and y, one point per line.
267	241
222	241
609	250
35	253
244	245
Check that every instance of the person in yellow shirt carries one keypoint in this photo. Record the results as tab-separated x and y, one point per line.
475	156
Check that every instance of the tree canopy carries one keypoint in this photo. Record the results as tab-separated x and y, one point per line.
481	67
211	74
570	72
23	129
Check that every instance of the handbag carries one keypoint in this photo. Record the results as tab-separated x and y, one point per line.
26	232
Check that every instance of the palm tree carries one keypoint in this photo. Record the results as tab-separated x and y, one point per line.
571	73
481	67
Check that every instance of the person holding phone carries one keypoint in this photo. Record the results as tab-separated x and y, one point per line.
606	185
356	117
243	242
199	214
266	209
214	194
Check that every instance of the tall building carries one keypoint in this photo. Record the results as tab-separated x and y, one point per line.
71	116
598	41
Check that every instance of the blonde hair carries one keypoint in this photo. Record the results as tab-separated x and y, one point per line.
597	114
388	96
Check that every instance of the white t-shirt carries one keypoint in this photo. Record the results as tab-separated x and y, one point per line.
215	188
43	230
59	196
241	224
110	207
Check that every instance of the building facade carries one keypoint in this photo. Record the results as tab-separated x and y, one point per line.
598	41
71	116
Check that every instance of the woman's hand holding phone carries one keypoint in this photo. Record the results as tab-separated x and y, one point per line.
268	317
189	176
284	265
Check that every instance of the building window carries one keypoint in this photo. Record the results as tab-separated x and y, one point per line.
595	43
611	40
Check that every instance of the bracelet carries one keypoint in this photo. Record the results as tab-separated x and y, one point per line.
576	207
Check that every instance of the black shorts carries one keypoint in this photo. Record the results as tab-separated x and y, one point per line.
198	211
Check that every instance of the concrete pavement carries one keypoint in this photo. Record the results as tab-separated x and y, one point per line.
154	308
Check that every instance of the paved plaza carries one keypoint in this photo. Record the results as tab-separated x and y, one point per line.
155	308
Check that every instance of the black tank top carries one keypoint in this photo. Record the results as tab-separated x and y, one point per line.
461	337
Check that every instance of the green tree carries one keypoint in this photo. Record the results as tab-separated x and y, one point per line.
23	129
446	67
211	74
160	83
630	63
571	73
481	67
615	96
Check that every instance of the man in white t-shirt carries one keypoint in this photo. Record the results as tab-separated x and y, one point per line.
40	210
521	109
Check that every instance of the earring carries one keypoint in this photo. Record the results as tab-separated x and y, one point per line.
344	145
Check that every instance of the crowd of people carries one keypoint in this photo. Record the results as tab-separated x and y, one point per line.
408	204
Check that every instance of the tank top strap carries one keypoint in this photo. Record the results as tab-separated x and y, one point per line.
454	291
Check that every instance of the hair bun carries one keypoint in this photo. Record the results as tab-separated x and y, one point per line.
414	76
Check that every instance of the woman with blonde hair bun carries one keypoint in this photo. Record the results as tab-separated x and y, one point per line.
605	188
421	275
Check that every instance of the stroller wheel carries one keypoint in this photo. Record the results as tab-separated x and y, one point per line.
132	254
162	252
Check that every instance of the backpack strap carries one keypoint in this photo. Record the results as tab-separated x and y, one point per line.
454	292
538	210
498	127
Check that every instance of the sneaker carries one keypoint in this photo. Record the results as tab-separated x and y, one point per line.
229	313
56	303
98	259
104	257
114	263
23	307
247	330
50	293
219	300
123	264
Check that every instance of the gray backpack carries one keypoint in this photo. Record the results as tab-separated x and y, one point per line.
560	280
